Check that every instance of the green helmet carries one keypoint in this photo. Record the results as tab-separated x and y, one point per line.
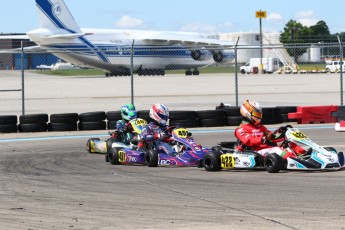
128	112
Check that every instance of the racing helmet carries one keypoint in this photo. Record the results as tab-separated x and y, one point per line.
128	112
160	114
252	111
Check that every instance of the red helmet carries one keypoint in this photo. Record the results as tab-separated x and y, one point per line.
252	111
160	113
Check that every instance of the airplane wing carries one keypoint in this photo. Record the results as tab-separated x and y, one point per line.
17	50
186	39
67	36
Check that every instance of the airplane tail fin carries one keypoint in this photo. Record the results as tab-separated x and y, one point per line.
54	14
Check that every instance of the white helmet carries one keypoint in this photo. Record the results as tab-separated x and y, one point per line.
160	113
252	111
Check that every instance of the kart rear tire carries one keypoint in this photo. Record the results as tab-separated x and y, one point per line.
212	162
273	163
151	158
88	143
113	156
109	144
341	158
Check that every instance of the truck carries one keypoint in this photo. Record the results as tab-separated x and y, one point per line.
334	66
269	65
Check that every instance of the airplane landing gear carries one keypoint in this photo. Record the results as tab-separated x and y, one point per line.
194	72
115	74
151	72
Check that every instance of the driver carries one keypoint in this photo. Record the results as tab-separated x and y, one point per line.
124	131
158	132
253	135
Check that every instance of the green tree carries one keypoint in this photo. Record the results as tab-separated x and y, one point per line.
295	33
320	29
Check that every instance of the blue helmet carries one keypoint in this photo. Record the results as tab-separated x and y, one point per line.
128	112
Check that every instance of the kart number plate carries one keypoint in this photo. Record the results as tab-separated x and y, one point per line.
138	125
140	122
299	135
227	161
122	156
181	133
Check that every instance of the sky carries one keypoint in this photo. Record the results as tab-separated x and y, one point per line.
203	16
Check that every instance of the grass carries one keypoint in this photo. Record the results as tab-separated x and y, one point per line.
204	70
72	72
312	66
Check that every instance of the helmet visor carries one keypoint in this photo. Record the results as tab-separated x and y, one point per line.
257	114
132	114
164	117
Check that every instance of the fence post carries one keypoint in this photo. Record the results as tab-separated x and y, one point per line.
22	68
341	72
236	77
132	73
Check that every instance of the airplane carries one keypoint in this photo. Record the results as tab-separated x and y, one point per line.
112	50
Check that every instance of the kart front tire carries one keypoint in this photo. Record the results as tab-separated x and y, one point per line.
273	163
113	156
151	158
217	148
212	162
89	143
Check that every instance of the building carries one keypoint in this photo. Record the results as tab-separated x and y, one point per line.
13	59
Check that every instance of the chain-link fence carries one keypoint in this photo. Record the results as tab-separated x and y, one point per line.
192	78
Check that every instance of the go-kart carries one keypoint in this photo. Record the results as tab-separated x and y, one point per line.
226	156
95	145
188	152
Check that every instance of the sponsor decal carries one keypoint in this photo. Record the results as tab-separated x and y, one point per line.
164	162
131	159
246	163
57	9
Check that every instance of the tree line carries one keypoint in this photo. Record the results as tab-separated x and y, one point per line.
296	34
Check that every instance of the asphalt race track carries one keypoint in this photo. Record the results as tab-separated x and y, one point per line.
49	181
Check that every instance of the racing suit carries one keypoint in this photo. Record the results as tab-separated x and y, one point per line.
123	132
159	137
258	138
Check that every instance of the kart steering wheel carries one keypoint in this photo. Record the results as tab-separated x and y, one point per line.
282	130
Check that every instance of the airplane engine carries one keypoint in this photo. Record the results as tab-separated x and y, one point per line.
223	56
201	55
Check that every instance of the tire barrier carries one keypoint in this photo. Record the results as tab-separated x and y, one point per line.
340	114
63	122
211	118
284	111
314	114
271	116
222	116
144	114
112	117
8	124
33	123
186	123
187	119
233	116
92	121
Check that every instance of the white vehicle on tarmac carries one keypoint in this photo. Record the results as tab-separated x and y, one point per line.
334	66
269	65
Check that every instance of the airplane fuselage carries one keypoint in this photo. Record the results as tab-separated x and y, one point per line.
111	50
117	51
